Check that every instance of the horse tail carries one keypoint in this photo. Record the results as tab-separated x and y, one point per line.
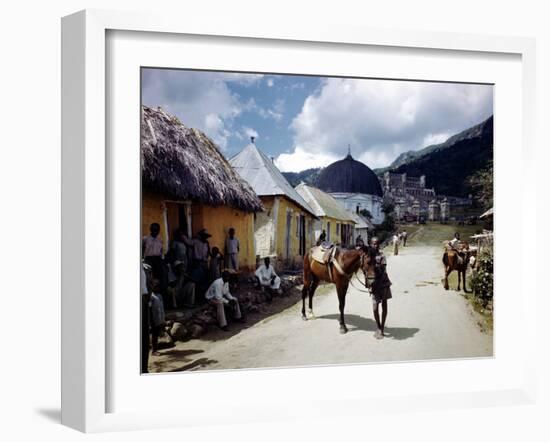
445	259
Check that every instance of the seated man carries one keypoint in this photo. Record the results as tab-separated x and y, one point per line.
219	296
267	278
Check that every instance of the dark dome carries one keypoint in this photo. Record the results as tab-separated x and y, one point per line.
349	176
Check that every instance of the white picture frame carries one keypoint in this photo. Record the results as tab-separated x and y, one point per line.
85	216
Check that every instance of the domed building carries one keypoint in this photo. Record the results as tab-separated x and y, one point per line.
354	185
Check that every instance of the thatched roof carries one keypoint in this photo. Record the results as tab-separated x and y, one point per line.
184	163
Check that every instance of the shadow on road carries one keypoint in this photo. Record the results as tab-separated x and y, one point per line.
360	323
171	357
401	333
199	363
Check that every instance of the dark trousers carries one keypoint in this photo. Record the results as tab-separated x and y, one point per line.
160	272
155	333
144	333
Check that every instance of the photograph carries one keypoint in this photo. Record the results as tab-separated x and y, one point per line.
292	220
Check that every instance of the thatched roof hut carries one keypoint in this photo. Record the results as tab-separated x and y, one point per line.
185	164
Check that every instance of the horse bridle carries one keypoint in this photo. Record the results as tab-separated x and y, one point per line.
368	281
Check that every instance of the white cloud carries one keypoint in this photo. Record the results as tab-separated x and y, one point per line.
249	132
270	82
301	159
381	119
199	99
275	113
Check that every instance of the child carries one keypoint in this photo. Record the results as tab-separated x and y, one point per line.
232	249
157	317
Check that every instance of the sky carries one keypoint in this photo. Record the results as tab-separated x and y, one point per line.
305	121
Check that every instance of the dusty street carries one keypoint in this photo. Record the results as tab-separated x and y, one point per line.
424	322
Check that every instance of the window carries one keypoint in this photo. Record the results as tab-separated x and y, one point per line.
328	231
297	226
338	229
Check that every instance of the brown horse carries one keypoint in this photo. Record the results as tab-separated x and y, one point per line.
457	260
348	262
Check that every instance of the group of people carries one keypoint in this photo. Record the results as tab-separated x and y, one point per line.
399	238
190	273
189	266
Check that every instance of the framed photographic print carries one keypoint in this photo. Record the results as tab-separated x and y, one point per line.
250	214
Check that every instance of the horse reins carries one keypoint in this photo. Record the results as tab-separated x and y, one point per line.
350	276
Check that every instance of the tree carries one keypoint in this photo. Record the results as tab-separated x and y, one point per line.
366	213
389	219
481	184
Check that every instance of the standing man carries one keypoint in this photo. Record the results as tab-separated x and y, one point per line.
404	237
200	252
395	242
219	296
359	241
267	278
322	238
151	249
232	249
381	291
185	288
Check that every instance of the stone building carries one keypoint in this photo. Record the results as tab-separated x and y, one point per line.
413	199
409	194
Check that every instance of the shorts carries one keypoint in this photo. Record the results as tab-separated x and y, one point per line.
382	294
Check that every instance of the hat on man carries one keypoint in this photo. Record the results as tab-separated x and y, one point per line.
203	233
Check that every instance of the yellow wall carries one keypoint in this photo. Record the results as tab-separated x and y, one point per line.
284	206
334	237
217	220
152	212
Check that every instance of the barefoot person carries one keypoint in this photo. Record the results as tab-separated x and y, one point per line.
381	291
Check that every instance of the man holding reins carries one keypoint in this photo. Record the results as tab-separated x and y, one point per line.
380	289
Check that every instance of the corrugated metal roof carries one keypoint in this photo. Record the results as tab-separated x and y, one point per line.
362	222
264	177
323	204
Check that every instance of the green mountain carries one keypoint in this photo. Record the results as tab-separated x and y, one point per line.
308	176
446	166
449	164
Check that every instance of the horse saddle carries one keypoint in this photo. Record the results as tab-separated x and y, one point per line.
323	253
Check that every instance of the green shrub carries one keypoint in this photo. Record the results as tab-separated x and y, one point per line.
482	277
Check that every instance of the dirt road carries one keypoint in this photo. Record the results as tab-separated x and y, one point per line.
424	322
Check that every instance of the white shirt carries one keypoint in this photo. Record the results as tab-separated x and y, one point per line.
152	246
232	245
264	273
219	290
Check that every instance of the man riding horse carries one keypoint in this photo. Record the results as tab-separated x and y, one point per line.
457	257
